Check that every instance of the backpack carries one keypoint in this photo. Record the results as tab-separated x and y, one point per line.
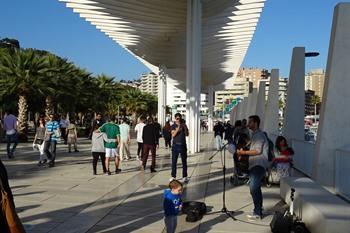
271	153
194	210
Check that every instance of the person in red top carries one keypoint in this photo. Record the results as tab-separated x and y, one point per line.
283	156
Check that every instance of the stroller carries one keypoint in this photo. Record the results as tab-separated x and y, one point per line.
241	167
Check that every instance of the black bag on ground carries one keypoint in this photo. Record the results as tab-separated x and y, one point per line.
194	210
193	216
281	223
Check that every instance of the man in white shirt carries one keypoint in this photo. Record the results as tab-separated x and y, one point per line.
64	123
139	131
10	126
124	151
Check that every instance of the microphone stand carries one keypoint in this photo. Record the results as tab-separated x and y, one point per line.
224	208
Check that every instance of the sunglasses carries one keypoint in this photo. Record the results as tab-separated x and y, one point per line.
178	118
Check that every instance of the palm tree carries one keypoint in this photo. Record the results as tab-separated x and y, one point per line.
22	75
134	102
60	84
152	103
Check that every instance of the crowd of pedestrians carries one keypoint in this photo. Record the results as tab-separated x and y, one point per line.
111	141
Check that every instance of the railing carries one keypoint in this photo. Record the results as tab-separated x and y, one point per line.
303	156
342	173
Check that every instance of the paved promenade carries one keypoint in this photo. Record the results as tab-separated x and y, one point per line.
69	198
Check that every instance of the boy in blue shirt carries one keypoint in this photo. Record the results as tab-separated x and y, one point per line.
52	135
172	205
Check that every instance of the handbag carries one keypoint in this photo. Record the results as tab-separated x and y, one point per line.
38	141
9	212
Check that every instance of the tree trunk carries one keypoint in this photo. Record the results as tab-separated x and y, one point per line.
22	114
49	106
134	118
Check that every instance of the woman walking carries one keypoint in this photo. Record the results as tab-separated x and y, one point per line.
167	134
72	137
38	142
98	150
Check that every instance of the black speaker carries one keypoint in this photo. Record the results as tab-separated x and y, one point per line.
281	223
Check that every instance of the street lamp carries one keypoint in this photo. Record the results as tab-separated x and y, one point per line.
312	54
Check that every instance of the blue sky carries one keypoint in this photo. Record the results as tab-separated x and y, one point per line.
49	25
285	24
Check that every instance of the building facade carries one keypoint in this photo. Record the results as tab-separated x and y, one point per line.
314	80
239	87
176	100
254	75
309	106
149	83
282	89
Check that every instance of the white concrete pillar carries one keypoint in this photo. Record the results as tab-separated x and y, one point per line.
239	111
260	105
233	115
244	108
249	102
293	125
334	127
272	106
210	108
162	95
252	101
193	72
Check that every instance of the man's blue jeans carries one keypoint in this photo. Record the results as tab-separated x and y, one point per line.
11	138
256	174
218	142
51	155
176	150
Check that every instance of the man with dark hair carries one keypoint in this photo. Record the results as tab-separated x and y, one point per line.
125	138
51	138
139	131
111	129
219	130
150	137
244	129
10	126
258	162
98	121
158	127
229	132
179	131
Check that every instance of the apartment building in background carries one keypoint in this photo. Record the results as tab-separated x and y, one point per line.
237	87
254	75
314	80
149	83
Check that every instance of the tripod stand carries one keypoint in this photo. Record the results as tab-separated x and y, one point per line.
224	208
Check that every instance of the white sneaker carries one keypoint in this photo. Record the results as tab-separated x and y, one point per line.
137	158
185	179
253	217
172	178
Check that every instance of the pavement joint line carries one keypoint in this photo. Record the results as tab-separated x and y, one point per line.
101	198
127	196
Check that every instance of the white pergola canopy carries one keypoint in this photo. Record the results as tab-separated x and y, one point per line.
154	31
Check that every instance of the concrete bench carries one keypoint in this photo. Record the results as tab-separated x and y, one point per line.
322	211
